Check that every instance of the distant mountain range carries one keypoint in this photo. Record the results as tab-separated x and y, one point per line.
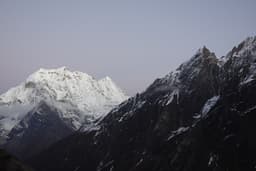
51	104
199	117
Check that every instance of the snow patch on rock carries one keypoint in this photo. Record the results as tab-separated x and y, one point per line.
209	104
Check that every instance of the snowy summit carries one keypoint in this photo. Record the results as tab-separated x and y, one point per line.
75	95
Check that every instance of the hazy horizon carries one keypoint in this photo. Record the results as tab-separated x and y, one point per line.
133	42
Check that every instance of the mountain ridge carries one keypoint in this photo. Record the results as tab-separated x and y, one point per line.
73	98
198	117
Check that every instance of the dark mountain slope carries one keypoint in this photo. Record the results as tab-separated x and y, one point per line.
41	127
9	163
199	117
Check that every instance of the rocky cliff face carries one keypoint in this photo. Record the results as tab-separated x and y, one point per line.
199	117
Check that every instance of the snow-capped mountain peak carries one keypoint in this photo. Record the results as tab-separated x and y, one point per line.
244	49
59	74
74	94
199	58
203	59
62	84
242	60
247	47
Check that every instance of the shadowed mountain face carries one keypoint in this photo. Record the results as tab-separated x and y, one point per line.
9	163
199	117
40	128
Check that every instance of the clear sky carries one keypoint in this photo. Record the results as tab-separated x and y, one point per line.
132	41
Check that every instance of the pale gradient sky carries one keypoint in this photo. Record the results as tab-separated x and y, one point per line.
133	41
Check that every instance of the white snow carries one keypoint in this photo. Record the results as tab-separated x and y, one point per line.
11	115
248	47
243	57
139	162
251	76
197	116
210	161
209	104
75	95
246	81
249	110
175	92
90	127
179	131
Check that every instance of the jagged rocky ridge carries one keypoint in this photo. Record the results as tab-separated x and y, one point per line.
199	117
51	104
